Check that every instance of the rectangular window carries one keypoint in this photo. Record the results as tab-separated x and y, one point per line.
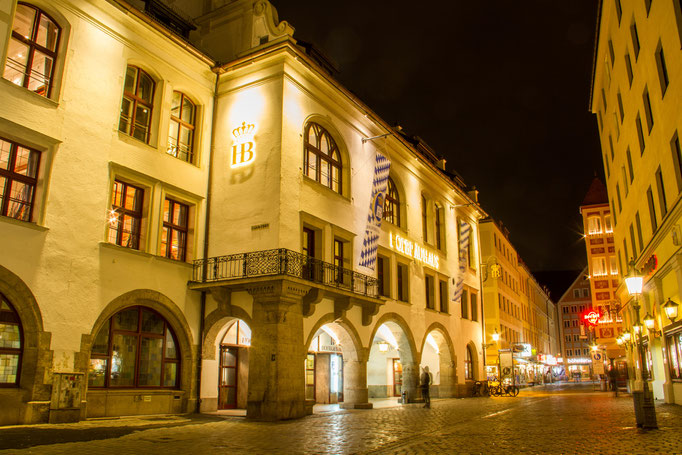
576	294
625	249
599	122
125	221
629	159
628	68
647	4
598	266
175	227
383	274
136	105
425	225
338	253
594	225
606	165
620	261
677	159
612	54
620	107
611	147
674	343
18	179
635	38
613	266
632	241
625	180
402	282
429	292
465	304
661	192
603	99
647	109
640	134
638	225
620	204
474	306
662	69
443	294
439	227
308	242
619	11
613	209
569	353
652	210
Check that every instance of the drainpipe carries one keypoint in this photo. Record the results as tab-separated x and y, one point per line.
206	232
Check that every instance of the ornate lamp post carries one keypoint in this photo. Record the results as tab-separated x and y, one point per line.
647	419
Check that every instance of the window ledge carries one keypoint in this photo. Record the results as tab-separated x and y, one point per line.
316	184
29	95
132	141
26	224
144	254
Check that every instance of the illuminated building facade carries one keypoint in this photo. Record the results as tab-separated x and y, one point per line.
575	343
180	235
516	306
636	92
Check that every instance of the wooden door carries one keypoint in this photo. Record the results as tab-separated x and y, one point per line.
228	377
397	377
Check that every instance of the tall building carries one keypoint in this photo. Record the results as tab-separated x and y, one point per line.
636	92
517	308
603	271
575	342
178	234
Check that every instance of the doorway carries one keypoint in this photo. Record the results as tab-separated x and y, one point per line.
227	387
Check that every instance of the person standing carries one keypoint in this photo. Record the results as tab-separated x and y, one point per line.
425	381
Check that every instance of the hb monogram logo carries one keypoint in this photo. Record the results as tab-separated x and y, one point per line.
244	147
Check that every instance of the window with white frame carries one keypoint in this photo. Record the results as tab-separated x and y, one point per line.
594	225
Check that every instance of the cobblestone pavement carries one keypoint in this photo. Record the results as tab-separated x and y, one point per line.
555	419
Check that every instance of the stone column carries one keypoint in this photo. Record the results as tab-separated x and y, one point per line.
277	352
355	391
411	381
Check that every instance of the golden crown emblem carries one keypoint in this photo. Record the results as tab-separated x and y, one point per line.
244	130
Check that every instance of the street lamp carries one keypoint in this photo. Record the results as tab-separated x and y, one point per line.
670	309
634	282
495	336
650	324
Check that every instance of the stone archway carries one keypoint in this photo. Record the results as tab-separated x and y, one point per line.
393	361
30	402
99	401
439	355
355	395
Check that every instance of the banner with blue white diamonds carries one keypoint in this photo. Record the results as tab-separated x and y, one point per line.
370	242
464	231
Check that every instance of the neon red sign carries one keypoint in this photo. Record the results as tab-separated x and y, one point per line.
591	318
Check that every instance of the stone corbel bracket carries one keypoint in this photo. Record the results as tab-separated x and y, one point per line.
312	298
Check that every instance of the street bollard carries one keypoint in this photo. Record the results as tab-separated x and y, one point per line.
403	397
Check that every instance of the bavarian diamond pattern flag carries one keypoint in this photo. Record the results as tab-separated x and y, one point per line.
368	255
464	231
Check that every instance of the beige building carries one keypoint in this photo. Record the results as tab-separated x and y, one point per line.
516	307
179	235
636	93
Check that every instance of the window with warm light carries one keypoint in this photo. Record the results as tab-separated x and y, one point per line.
599	266
594	225
321	157
137	104
174	234
468	364
181	131
18	180
608	227
11	344
613	266
32	50
392	204
135	348
125	220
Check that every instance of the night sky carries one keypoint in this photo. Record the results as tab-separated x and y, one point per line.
499	88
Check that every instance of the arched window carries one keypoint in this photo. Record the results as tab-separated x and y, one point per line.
181	134
392	204
10	344
32	50
321	157
468	364
135	348
137	104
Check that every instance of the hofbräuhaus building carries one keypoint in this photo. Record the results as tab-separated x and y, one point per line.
178	234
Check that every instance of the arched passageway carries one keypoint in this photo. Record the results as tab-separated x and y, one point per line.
438	356
392	368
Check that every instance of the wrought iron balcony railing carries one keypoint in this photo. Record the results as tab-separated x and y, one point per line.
283	262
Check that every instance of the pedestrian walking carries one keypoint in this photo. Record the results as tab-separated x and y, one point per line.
425	381
612	379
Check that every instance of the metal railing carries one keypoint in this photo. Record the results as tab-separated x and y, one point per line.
283	262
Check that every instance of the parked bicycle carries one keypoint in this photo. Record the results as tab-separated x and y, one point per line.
509	390
480	389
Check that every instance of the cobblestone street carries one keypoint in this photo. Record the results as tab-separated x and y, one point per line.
568	418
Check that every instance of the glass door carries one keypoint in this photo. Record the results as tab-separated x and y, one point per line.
397	377
227	387
310	377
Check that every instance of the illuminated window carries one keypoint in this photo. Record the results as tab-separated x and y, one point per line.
136	107
392	204
598	266
181	132
321	157
135	348
614	267
594	225
32	50
125	220
174	234
468	364
11	344
18	180
608	227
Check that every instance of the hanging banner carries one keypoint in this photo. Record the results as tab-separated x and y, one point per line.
464	231
370	242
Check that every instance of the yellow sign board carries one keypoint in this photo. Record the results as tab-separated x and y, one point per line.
413	250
